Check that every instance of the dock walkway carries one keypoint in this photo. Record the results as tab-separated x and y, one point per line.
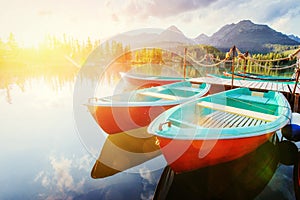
286	87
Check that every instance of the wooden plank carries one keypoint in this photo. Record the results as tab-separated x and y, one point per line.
225	82
275	86
233	120
237	83
287	88
256	84
238	111
215	120
228	119
252	84
266	85
236	123
249	122
272	86
269	86
247	83
210	119
282	88
259	86
259	122
243	82
263	85
185	88
244	121
160	95
253	122
291	87
207	117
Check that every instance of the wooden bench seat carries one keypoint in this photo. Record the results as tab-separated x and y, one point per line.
190	89
160	95
238	111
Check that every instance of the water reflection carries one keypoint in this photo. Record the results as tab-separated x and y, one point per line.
125	150
41	154
56	77
243	178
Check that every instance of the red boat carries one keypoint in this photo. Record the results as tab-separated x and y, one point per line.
138	108
218	128
144	81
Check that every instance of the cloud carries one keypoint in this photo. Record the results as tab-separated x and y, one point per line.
273	10
146	174
287	22
143	9
63	178
59	180
149	180
83	163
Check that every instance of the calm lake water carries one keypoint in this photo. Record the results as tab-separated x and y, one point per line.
50	144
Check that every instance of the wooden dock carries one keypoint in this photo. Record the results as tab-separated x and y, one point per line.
286	88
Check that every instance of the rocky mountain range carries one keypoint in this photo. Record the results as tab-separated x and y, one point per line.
294	37
246	35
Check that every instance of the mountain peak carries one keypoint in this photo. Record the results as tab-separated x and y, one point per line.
202	39
245	22
174	34
174	29
248	36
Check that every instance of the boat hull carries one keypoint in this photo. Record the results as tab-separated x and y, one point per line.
151	81
187	155
123	118
243	178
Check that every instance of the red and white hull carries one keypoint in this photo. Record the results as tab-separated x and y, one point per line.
187	155
123	118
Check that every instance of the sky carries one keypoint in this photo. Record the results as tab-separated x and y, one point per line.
32	20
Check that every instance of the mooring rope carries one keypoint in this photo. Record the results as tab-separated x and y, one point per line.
204	64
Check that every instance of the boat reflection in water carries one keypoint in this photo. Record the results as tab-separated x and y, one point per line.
125	150
243	178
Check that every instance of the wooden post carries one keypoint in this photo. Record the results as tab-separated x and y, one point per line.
296	103
184	63
297	76
232	66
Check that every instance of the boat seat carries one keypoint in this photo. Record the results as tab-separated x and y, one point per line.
254	98
160	95
187	89
238	111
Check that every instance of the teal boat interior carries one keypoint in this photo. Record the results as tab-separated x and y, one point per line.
176	92
227	114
